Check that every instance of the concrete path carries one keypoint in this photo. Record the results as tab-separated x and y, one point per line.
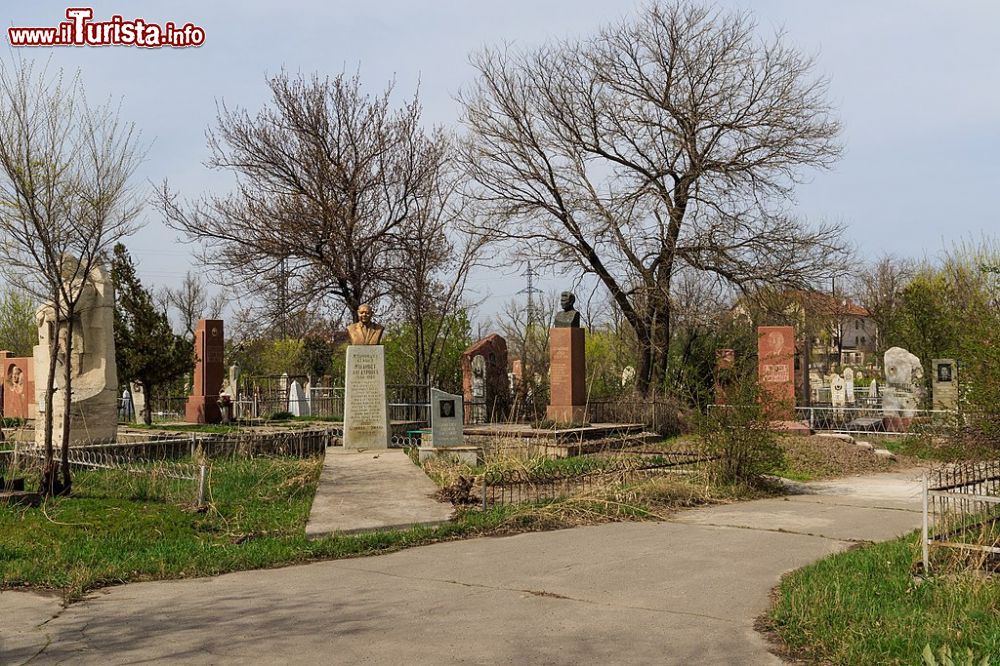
372	490
684	591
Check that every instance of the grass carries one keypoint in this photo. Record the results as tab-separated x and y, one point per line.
865	606
111	532
940	448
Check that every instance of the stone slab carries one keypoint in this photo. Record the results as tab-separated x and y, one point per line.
776	369
366	414
361	491
447	415
467	455
209	348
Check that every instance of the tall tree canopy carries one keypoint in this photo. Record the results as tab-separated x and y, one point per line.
146	350
667	142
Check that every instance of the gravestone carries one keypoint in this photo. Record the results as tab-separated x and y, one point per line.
18	387
838	392
138	400
849	385
485	382
567	372
447	439
297	404
944	384
776	370
901	394
209	348
126	411
94	404
366	415
446	419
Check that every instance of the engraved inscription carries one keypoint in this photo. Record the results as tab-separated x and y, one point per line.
776	373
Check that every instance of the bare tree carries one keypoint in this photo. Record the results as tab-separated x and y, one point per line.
880	291
670	140
65	170
192	302
328	179
437	250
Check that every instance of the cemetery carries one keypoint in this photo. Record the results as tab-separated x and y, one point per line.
778	439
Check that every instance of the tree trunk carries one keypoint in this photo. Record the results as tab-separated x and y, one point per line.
147	403
49	473
67	481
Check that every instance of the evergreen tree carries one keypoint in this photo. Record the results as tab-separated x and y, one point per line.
146	349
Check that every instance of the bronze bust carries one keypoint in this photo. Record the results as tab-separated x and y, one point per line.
365	331
568	318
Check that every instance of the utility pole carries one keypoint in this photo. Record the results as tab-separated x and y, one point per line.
531	290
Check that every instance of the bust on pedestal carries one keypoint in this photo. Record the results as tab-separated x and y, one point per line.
366	414
567	366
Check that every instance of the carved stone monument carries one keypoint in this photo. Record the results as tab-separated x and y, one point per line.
485	382
209	346
567	366
366	413
944	384
901	395
776	369
94	402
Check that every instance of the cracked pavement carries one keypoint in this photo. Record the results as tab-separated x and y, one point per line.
684	591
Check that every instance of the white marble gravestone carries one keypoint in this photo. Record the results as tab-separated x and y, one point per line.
297	403
447	411
849	385
366	414
838	391
901	394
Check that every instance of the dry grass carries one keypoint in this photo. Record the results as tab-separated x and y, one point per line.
810	458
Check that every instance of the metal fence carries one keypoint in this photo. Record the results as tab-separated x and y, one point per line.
961	511
862	420
29	458
518	486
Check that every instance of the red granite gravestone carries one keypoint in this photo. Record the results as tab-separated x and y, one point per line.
776	370
203	404
567	376
484	382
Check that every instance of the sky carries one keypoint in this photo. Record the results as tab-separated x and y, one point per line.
916	85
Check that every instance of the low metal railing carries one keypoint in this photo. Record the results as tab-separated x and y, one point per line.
961	511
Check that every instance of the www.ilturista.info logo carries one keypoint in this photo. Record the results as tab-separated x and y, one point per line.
80	30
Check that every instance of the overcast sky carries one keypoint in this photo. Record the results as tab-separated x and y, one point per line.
917	85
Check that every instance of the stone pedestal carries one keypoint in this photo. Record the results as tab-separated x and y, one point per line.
209	349
776	370
567	376
366	414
